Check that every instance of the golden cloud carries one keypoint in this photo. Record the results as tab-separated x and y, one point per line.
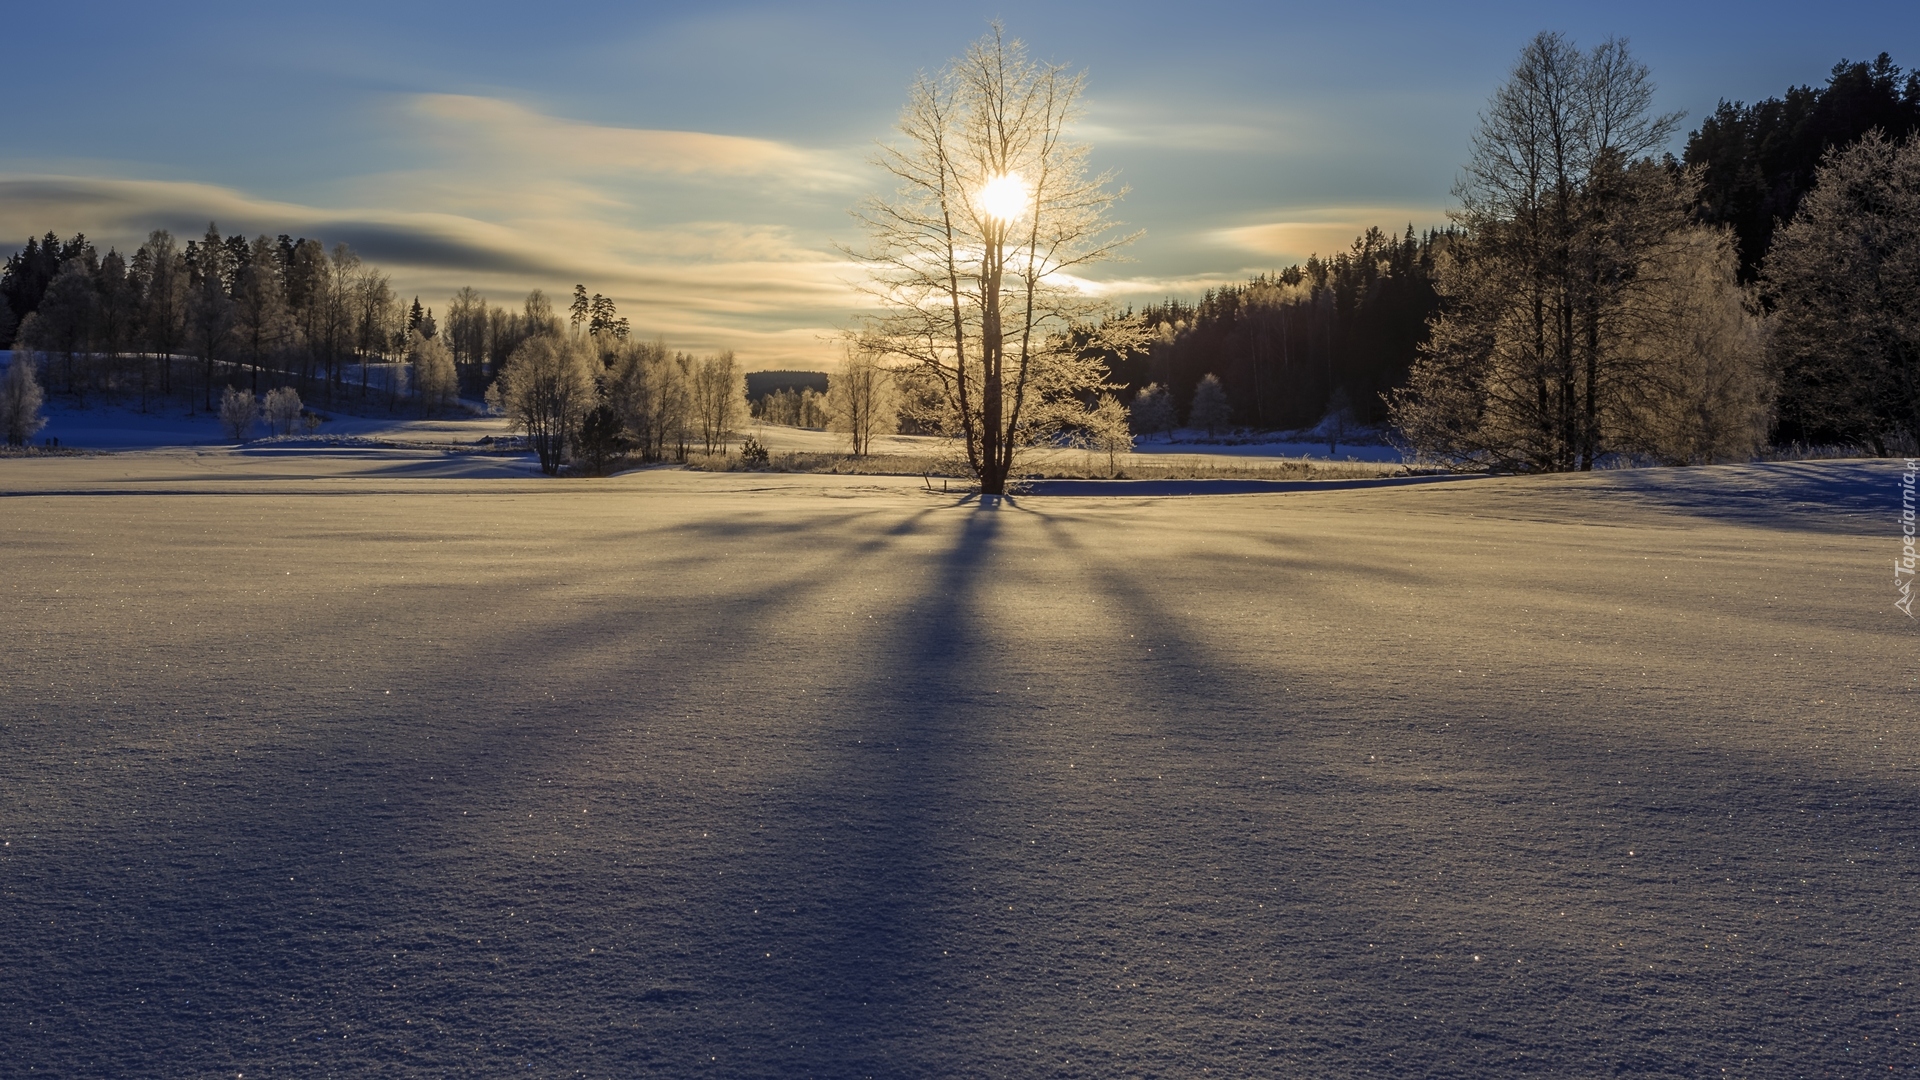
509	135
1324	231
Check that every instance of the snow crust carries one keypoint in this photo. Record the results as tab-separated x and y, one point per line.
353	762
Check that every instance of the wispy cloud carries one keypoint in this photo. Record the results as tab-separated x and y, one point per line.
707	240
712	241
1295	234
505	134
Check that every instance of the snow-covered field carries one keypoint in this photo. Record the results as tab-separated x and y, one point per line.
316	765
103	425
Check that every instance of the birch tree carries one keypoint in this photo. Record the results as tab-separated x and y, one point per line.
858	401
547	388
435	378
1562	213
261	322
972	257
718	398
163	313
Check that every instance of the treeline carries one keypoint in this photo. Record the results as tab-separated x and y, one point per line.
1821	190
585	399
1608	299
258	313
1286	345
287	319
1757	162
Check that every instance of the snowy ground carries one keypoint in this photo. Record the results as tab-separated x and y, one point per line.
1148	451
312	771
102	426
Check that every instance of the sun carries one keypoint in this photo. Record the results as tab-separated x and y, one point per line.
1004	198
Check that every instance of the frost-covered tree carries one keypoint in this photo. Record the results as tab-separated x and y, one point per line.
1339	419
209	311
719	399
1845	275
261	322
466	333
1563	214
1152	411
238	411
163	301
547	388
1697	341
435	378
649	388
1209	411
970	257
1109	430
282	409
64	327
858	399
21	400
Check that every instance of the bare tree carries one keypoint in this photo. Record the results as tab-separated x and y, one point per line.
435	378
375	318
209	311
466	332
261	322
337	309
547	387
1562	214
971	256
114	313
66	318
164	310
719	399
858	399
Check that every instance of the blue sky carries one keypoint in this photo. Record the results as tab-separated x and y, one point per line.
697	162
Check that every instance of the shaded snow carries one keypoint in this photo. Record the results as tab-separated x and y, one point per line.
685	774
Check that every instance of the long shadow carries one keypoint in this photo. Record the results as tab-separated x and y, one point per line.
1802	496
716	850
1600	893
852	885
293	897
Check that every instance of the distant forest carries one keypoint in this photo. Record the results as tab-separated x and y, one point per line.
1346	329
244	312
1284	344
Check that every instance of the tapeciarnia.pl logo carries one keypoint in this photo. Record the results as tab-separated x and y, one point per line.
1903	567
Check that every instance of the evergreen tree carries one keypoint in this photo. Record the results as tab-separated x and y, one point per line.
1758	161
1152	411
1846	277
